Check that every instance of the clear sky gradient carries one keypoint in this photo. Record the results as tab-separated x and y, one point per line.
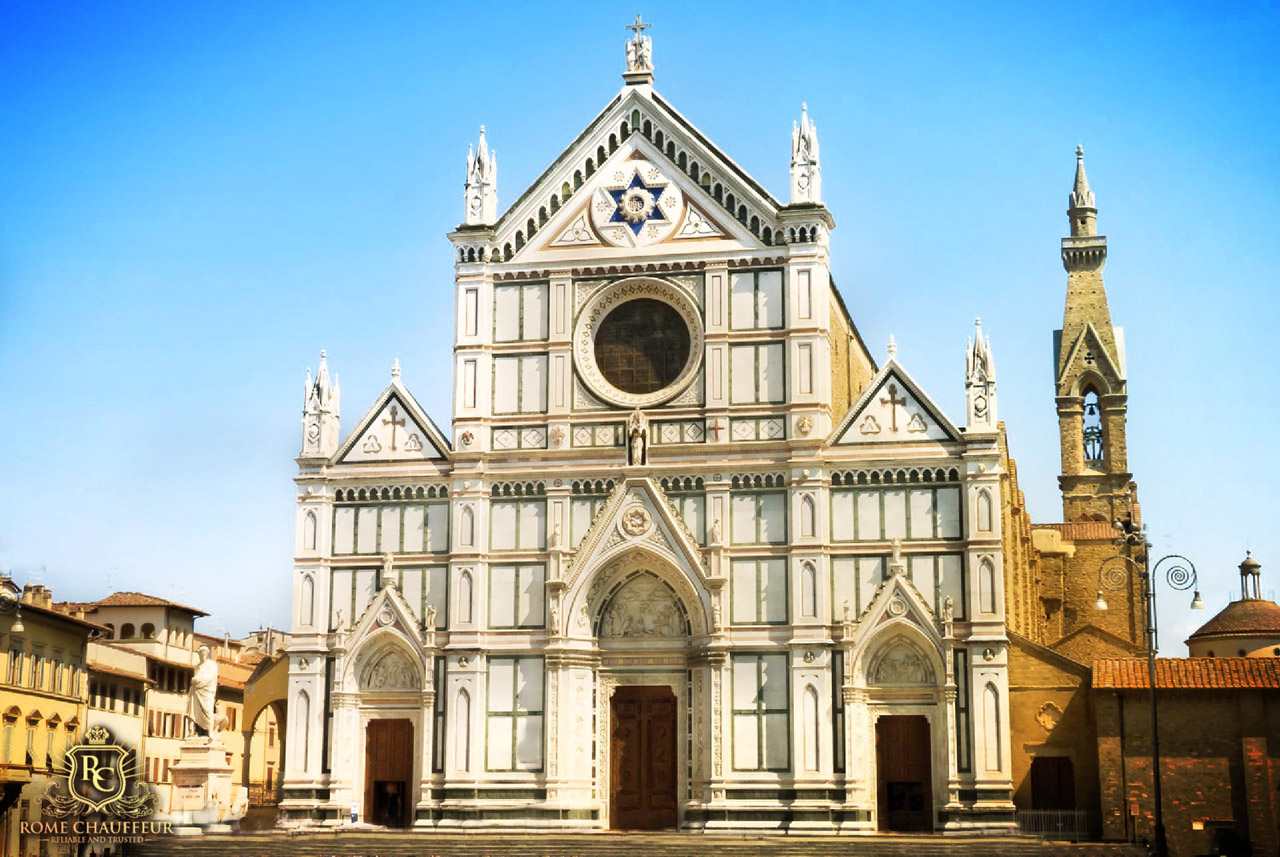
196	198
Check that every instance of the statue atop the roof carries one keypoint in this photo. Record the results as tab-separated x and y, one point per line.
640	48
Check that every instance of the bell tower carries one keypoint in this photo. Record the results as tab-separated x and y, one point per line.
1090	375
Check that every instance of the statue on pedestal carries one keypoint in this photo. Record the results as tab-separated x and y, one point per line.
202	695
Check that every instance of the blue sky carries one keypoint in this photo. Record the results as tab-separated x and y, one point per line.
197	198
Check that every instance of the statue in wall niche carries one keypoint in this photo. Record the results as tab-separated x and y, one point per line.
715	537
388	566
948	610
338	621
637	438
555	540
431	617
553	619
202	695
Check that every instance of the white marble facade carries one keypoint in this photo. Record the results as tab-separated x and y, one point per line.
787	541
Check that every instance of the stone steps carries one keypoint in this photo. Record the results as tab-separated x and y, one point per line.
520	844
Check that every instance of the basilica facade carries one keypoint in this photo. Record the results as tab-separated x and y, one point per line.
688	556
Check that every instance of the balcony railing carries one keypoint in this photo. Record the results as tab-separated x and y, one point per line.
1074	825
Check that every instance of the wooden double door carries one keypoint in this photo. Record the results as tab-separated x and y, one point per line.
643	790
905	799
388	767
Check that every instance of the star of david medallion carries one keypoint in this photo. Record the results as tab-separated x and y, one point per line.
640	206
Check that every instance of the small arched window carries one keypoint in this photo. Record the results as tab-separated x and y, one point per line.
148	631
1091	428
984	511
309	531
127	631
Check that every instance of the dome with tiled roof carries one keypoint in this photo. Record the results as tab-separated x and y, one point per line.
1250	626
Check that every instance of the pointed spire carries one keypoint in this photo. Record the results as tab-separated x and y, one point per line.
481	192
980	381
979	366
1081	207
395	369
892	348
320	413
806	172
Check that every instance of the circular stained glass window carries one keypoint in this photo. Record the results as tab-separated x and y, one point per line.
642	346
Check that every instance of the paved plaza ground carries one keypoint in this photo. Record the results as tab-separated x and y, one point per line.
521	844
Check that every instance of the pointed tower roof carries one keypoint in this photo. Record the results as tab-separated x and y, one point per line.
979	365
1081	195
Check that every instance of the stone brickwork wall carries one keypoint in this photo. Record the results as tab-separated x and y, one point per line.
1220	766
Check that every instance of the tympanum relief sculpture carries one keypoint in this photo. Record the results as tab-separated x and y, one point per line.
644	607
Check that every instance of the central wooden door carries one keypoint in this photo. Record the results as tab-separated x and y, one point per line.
388	766
643	791
905	798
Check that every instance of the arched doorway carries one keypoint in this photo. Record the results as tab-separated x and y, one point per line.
643	632
391	712
904	675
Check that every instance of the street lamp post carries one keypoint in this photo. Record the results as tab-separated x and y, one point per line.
1180	573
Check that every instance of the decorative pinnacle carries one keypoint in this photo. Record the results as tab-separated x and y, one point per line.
395	368
892	348
1081	195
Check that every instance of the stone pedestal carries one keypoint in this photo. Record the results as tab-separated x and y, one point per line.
203	793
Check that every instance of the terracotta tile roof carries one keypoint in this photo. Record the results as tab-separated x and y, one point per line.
108	670
1248	616
1080	531
141	599
1188	673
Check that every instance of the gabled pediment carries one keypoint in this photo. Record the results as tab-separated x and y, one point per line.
898	599
893	409
579	205
387	612
394	429
1088	355
637	515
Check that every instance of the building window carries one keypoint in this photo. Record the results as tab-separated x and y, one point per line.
759	591
837	711
759	518
520	384
515	714
1094	451
520	312
755	300
437	741
882	514
692	509
516	594
518	525
582	511
642	346
758	373
964	758
15	667
760	717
